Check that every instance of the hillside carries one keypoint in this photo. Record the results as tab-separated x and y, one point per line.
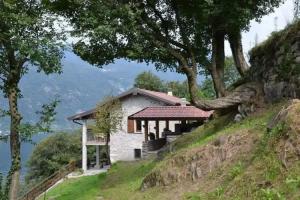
221	160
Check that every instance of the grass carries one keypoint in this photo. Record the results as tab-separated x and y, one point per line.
80	188
122	181
259	175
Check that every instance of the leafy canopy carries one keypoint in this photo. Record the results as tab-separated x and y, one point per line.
52	153
108	116
149	81
30	36
148	31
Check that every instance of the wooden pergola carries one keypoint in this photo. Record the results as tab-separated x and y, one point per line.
169	113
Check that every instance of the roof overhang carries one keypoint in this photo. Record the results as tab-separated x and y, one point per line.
171	101
171	113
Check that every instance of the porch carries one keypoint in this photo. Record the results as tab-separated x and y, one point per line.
183	118
98	141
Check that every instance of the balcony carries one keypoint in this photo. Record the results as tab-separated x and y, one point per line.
95	138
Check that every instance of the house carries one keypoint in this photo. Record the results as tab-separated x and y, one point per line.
149	120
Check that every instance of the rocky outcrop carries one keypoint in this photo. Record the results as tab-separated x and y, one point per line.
286	124
276	63
274	73
197	163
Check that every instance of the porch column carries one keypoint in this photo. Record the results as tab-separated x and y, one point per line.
84	147
167	124
97	157
157	129
146	130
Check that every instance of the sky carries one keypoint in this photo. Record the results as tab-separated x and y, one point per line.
264	28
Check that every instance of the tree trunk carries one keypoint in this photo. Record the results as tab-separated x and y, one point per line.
14	173
235	40
107	148
245	93
218	60
192	84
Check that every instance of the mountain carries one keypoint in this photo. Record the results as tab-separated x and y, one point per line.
78	88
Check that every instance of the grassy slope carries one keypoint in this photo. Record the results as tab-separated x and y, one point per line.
242	180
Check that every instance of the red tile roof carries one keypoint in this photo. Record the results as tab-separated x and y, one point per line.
171	112
159	96
163	97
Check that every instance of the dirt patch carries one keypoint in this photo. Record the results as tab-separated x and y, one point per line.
197	163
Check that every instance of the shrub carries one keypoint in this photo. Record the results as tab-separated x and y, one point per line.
52	153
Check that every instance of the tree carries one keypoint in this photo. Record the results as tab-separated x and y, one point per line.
296	9
161	32
2	193
179	89
28	38
108	118
238	16
149	81
231	75
51	154
184	36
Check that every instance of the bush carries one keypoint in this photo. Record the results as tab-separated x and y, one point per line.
52	153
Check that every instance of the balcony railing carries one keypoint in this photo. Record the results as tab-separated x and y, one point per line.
95	138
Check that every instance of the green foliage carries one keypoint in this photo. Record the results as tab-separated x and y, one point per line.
281	38
293	183
235	170
258	175
279	130
2	191
160	32
108	115
179	89
149	81
231	75
46	118
28	30
238	13
51	154
271	194
29	37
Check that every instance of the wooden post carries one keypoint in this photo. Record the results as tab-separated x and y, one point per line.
167	124
84	147
146	130
157	129
97	157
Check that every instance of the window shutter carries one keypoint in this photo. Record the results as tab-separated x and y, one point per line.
130	126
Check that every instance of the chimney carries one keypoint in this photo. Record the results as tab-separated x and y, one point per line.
170	93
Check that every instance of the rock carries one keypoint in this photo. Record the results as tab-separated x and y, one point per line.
297	59
238	118
199	162
288	143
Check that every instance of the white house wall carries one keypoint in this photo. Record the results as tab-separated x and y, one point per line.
122	144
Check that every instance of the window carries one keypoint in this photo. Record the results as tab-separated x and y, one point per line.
137	153
130	126
138	126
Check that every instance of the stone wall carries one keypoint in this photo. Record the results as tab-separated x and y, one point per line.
276	63
122	144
